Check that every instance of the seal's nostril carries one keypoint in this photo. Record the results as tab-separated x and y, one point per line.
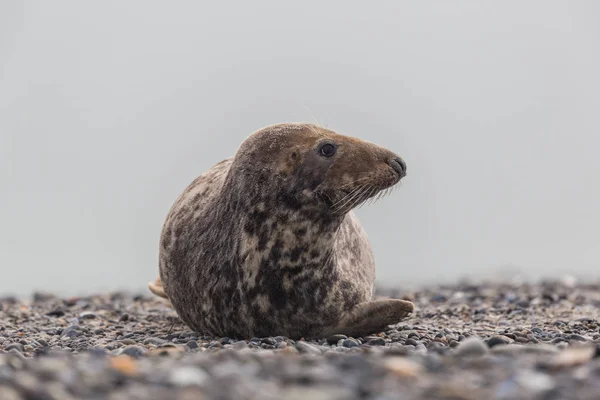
398	165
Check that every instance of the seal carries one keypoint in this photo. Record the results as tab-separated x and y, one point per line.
266	242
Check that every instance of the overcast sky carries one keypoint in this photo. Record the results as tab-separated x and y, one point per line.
109	109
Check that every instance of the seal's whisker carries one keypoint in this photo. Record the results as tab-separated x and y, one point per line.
356	181
346	196
361	199
351	198
372	195
312	115
367	197
352	201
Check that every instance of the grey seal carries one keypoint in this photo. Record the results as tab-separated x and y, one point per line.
266	243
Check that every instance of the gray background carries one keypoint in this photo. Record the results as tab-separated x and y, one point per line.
109	109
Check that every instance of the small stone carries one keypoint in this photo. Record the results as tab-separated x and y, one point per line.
16	346
71	331
473	346
188	376
124	317
155	341
240	345
192	344
58	312
439	298
377	342
412	342
571	357
534	382
576	337
513	349
498	340
128	341
308	348
350	343
403	367
334	339
124	365
41	297
88	315
269	341
133	351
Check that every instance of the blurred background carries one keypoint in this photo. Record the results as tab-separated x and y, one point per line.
109	109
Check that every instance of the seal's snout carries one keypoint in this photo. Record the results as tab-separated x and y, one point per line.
398	165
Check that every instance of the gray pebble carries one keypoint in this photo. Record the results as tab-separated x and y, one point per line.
58	312
240	345
471	347
192	344
334	339
576	337
16	346
377	342
133	351
71	331
498	340
308	348
155	341
88	315
188	376
350	343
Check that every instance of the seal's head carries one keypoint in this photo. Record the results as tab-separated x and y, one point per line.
311	164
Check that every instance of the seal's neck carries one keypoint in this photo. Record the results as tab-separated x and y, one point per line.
281	238
283	228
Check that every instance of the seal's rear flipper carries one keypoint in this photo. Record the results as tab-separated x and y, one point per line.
372	317
157	288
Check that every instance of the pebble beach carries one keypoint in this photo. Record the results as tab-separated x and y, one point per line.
464	341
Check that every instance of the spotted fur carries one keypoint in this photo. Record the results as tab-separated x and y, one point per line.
266	242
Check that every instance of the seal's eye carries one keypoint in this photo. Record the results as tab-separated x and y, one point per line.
328	150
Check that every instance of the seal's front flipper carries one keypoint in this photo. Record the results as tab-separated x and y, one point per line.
373	317
157	288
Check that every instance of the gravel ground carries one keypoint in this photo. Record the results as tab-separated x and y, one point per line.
486	341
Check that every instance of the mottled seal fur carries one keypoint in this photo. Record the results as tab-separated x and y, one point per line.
266	243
